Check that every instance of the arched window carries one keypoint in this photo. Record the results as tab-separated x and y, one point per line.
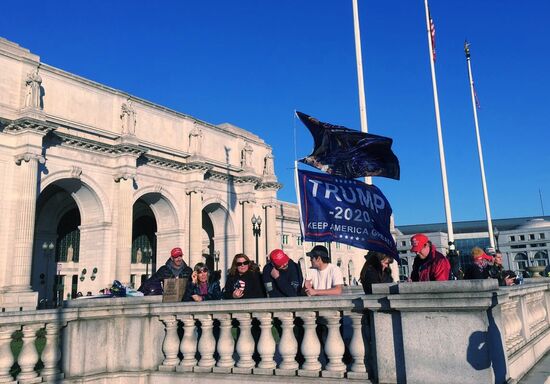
522	261
68	240
541	258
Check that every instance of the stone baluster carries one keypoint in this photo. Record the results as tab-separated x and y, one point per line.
288	346
226	345
207	344
311	347
513	325
6	356
245	344
170	345
188	345
51	353
334	346
28	357
266	344
357	348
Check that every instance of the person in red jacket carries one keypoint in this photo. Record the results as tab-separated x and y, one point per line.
429	265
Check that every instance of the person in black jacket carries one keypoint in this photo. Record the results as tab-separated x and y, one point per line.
243	280
281	276
376	270
200	288
174	267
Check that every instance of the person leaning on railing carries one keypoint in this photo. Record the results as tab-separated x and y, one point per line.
376	270
174	267
243	279
429	264
200	288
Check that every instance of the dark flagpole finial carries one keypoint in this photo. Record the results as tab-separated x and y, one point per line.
467	49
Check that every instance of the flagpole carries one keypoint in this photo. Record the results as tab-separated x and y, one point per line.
360	81
479	149
439	135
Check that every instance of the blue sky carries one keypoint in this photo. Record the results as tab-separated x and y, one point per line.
253	62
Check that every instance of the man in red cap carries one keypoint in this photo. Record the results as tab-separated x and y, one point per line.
174	267
281	276
429	264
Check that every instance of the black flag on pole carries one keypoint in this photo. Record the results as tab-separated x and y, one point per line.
348	153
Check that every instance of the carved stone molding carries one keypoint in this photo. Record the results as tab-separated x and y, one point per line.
157	188
246	198
124	175
76	172
28	125
28	156
269	186
98	147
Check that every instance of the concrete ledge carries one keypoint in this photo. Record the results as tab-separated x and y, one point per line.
181	368
306	373
242	371
526	357
167	368
285	372
469	286
358	375
222	369
263	371
202	369
333	375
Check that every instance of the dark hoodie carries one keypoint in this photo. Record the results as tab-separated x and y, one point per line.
152	286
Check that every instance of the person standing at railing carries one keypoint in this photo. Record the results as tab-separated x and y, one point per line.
323	278
429	264
481	264
376	270
200	288
243	279
281	276
175	267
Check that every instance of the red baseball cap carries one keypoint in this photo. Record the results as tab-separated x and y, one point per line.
176	252
418	242
278	258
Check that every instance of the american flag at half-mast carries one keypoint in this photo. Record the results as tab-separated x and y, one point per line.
432	34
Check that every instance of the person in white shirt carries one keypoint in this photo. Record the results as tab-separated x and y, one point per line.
324	278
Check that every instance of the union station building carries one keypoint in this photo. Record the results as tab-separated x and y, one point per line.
99	185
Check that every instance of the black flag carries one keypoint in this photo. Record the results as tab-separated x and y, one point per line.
348	153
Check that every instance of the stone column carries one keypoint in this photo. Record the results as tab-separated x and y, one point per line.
248	238
311	347
226	345
334	346
207	344
195	226
270	228
288	346
124	227
245	344
26	177
266	344
51	353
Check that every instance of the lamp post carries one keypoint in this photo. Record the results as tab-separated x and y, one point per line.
48	251
256	231
496	232
148	252
217	258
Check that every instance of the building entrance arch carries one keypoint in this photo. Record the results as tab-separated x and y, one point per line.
219	239
64	208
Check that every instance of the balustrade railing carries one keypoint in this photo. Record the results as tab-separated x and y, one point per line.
321	337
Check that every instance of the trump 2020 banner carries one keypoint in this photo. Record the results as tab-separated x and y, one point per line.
347	211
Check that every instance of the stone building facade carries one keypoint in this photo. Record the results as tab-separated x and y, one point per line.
99	185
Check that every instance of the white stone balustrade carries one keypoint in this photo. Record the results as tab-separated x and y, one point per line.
92	339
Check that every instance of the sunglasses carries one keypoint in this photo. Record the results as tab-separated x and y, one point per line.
203	270
240	264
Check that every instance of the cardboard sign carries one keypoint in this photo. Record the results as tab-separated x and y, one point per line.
174	289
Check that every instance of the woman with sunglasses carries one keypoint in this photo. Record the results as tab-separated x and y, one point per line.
243	279
200	288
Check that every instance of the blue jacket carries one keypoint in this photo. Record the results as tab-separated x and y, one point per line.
214	291
289	283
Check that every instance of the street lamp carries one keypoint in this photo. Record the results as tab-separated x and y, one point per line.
496	232
217	258
148	253
256	231
47	248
